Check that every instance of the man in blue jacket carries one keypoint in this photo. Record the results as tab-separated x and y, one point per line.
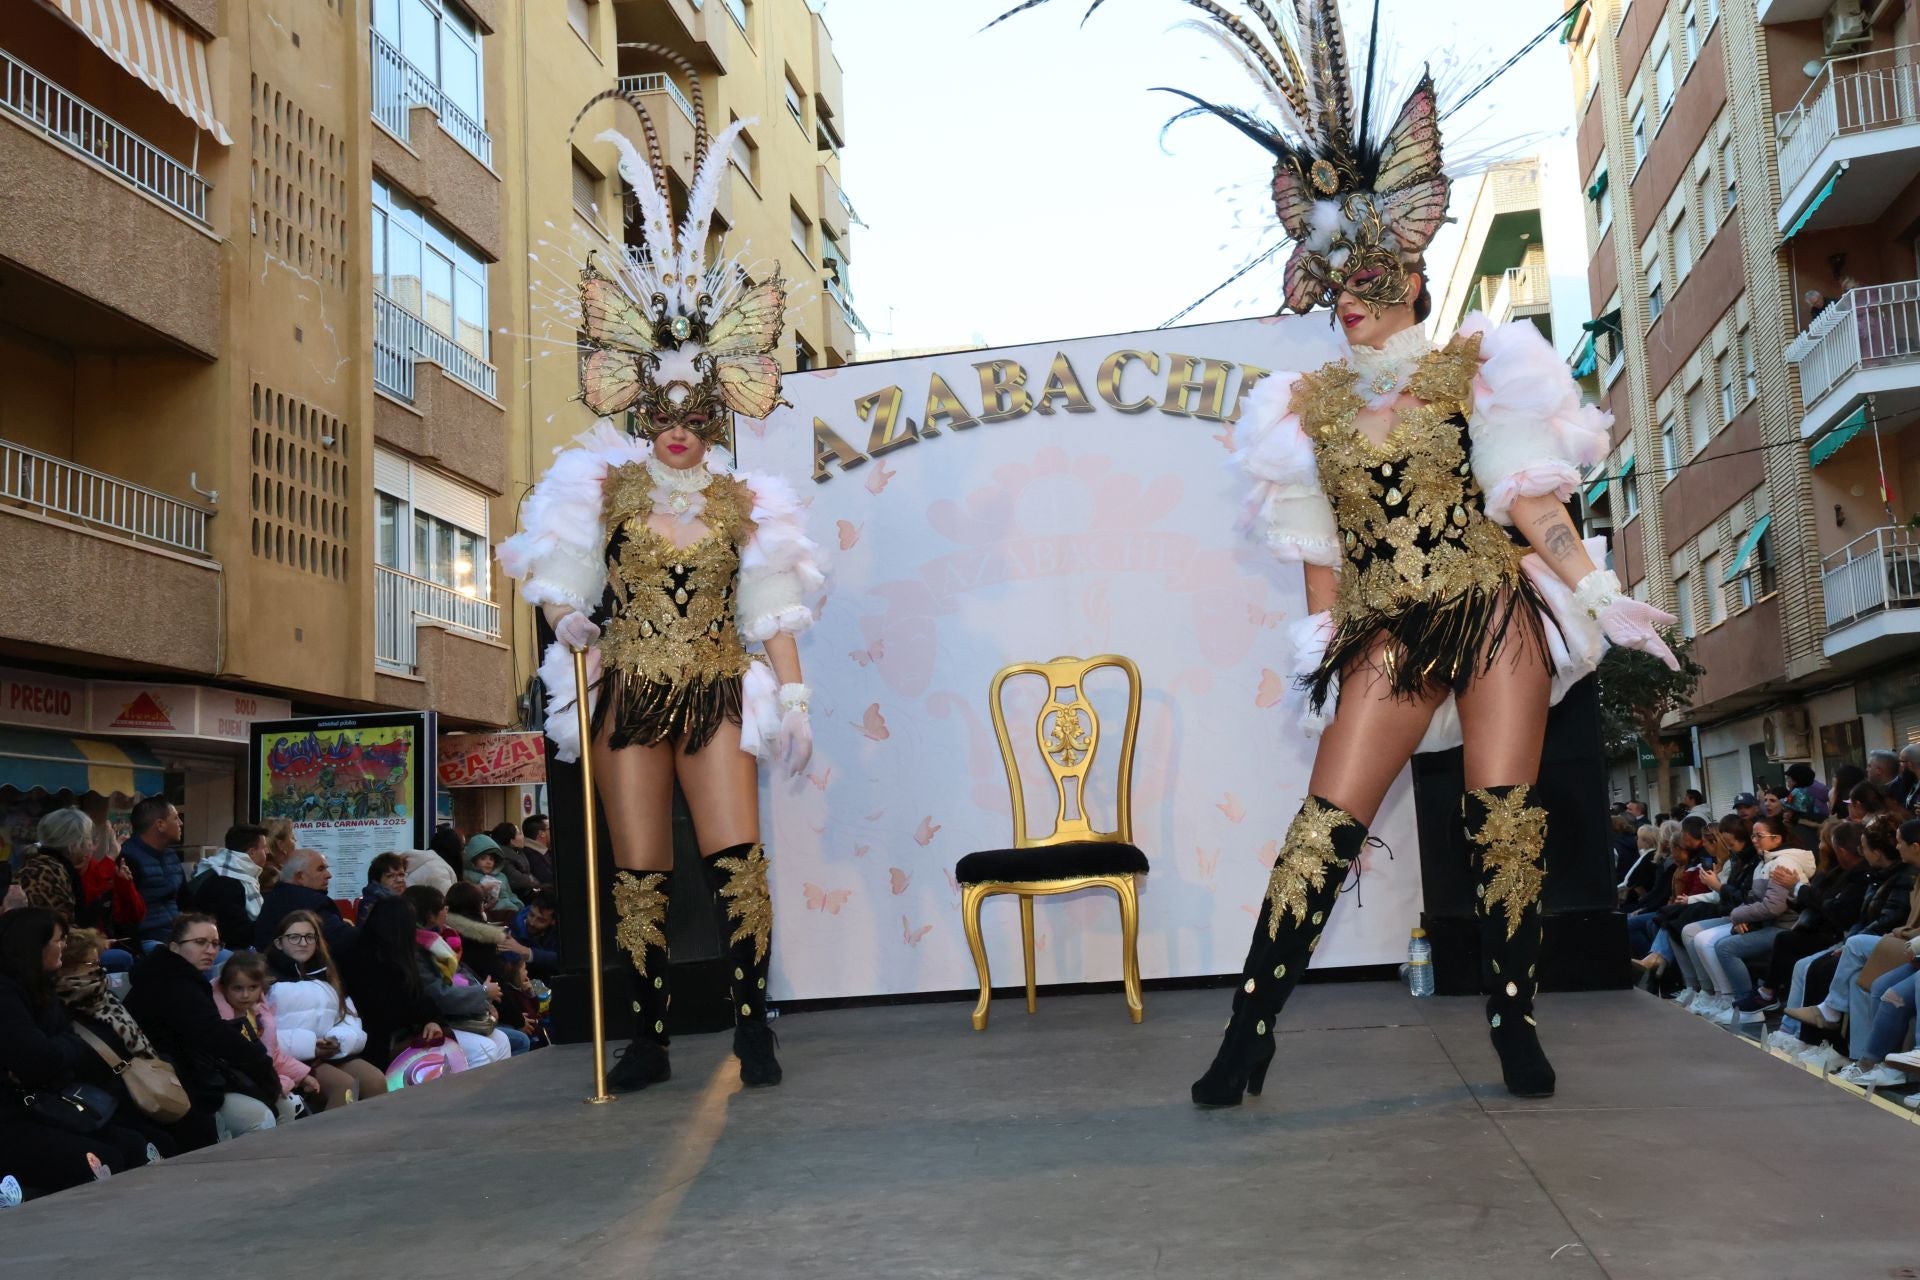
155	862
537	929
303	886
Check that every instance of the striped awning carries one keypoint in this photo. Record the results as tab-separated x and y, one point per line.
31	761
1838	438
158	49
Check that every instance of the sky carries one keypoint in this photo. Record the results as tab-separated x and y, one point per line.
1016	188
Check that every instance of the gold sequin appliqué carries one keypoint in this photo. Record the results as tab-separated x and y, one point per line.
748	902
674	616
1305	860
1511	841
642	912
1409	509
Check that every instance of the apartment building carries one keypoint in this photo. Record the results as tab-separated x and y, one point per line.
1750	181
277	359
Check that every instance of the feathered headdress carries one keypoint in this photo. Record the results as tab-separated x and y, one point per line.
1360	204
675	339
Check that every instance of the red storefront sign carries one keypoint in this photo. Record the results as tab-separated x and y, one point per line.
491	759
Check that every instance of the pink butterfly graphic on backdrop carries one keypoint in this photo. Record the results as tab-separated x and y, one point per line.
953	881
1272	689
860	850
1224	439
821	779
899	879
876	815
877	480
1261	618
926	831
849	533
1268	853
827	900
1040	943
873	654
1208	863
874	725
1232	807
911	935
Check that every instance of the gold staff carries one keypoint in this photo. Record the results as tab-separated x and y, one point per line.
600	1093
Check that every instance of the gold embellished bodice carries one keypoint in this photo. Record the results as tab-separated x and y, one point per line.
1412	519
671	608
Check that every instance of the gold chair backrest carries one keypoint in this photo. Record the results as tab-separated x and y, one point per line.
1068	733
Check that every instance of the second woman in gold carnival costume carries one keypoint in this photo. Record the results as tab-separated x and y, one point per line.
645	550
1422	488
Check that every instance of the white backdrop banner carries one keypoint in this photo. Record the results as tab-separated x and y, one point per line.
987	507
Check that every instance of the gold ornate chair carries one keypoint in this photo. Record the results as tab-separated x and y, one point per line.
1073	856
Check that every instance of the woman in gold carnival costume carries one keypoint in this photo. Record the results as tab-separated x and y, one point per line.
646	550
1422	487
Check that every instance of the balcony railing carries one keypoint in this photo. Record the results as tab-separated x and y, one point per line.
1868	327
399	86
1850	95
839	295
1519	287
71	123
655	82
402	603
56	487
1873	573
401	337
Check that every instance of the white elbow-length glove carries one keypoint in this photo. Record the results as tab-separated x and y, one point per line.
1629	623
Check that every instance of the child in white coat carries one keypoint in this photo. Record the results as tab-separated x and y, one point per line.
317	1023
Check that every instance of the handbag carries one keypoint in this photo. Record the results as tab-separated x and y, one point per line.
153	1085
78	1108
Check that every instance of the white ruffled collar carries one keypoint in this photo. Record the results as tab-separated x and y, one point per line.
1385	370
680	492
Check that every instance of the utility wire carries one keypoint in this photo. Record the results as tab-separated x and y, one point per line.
1898	419
1177	316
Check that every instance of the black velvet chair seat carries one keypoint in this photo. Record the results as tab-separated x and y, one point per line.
1052	862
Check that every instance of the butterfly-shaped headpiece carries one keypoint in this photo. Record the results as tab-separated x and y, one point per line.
671	338
1360	205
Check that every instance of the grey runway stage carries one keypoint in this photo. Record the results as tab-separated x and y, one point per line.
1061	1145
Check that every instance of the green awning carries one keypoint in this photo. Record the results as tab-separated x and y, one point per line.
1598	187
1814	207
1587	359
1838	438
1598	491
1573	16
1608	323
1752	540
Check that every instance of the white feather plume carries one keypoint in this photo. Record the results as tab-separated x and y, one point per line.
656	215
702	199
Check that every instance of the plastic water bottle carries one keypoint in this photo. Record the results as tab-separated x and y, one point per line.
1420	964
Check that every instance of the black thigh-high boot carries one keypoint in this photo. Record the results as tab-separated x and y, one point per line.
1509	839
739	876
640	912
1321	845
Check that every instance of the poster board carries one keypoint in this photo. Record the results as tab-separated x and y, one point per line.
354	787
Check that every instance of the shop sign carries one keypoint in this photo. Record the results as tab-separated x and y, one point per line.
42	701
178	711
492	759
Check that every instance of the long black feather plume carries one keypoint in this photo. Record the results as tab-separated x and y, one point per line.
1245	121
1373	60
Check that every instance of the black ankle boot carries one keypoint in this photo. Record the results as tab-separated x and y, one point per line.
640	909
1509	840
739	876
1320	846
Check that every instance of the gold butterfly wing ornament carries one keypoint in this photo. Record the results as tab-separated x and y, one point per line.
620	337
739	342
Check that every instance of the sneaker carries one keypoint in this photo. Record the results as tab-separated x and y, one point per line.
10	1193
1825	1059
1684	997
1881	1077
1909	1059
1712	1007
1786	1042
1754	1002
1746	1017
1911	1102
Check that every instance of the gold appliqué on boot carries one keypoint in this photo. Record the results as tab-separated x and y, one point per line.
1305	858
748	901
642	912
1511	841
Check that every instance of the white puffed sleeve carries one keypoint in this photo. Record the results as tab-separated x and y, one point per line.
1287	507
560	554
779	566
1531	436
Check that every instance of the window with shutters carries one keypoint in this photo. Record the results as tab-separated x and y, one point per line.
1663	82
1700	420
1680	233
580	18
1683	603
801	231
1724	367
1669	448
1709	207
1650	271
586	191
1716	594
1728	184
796	103
746	156
1638	114
1630	483
1690	32
431	526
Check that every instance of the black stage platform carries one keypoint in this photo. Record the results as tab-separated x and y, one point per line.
1061	1145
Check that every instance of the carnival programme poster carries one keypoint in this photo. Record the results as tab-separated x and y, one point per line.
354	787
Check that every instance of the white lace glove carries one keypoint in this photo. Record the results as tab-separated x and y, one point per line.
795	742
576	630
1629	623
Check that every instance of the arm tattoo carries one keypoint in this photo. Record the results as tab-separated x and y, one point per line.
1556	536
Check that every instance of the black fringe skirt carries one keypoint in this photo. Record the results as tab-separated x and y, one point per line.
648	713
1434	648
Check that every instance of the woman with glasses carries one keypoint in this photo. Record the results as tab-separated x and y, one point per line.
315	1020
228	1076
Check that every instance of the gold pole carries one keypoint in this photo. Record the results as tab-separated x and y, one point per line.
600	1093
